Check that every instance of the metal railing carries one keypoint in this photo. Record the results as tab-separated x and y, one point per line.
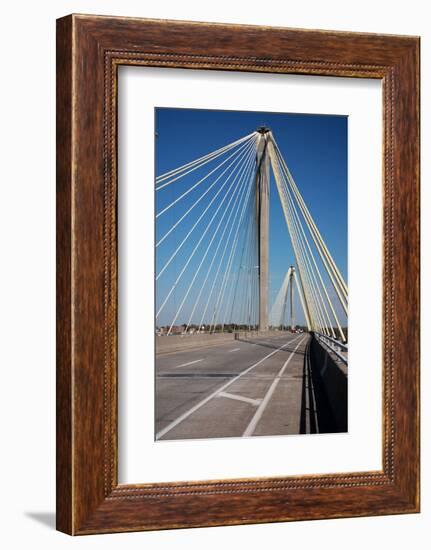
333	345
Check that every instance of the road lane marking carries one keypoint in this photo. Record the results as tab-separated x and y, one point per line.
187	364
232	350
254	402
185	415
258	414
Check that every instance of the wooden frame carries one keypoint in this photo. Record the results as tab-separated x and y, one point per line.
89	51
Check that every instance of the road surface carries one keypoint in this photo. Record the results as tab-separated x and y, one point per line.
241	388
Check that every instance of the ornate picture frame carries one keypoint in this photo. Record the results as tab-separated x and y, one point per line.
89	51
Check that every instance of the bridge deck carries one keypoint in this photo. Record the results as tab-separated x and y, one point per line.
240	388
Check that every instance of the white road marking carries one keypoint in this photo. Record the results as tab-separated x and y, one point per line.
187	364
232	350
258	414
185	415
254	402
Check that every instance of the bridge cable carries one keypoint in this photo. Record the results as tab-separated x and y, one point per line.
197	245
238	160
230	260
200	162
307	256
241	188
197	270
308	302
190	189
315	288
320	244
335	282
233	225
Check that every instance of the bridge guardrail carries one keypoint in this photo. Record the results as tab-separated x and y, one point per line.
332	345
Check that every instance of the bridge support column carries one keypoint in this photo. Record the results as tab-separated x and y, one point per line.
292	311
262	218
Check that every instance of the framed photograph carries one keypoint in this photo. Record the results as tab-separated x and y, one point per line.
237	274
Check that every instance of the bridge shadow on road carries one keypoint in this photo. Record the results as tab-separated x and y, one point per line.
317	410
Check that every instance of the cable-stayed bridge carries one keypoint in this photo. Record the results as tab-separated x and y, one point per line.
213	308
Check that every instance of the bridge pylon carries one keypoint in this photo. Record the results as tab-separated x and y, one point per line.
292	310
262	219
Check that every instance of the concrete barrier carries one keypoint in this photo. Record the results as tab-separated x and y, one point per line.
169	344
330	383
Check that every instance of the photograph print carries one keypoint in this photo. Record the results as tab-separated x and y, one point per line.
251	315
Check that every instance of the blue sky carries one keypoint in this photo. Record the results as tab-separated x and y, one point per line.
315	150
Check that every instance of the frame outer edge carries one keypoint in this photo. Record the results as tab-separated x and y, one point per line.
81	506
64	367
407	270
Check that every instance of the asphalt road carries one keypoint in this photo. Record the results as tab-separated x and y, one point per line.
235	389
